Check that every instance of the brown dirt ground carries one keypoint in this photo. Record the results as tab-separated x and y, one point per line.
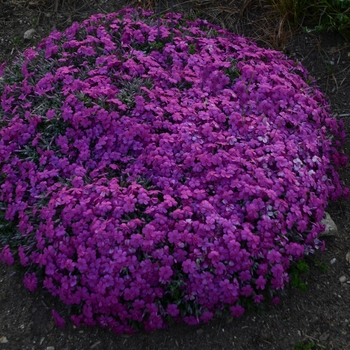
320	315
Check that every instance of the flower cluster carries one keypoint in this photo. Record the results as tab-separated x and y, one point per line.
157	172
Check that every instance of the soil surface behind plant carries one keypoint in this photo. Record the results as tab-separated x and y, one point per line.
319	316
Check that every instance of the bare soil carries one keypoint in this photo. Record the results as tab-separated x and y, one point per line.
319	316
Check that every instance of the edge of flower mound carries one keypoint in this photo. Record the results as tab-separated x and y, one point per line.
151	173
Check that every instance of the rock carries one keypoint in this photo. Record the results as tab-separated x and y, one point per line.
342	279
3	340
29	34
33	4
333	261
347	257
331	228
324	336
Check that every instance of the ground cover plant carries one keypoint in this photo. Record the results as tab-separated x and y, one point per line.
314	16
161	170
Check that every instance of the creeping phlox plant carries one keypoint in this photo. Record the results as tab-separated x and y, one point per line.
151	174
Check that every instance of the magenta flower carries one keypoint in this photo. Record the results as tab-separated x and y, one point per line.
175	180
6	256
30	281
189	266
258	298
260	283
276	300
274	256
237	310
165	272
59	321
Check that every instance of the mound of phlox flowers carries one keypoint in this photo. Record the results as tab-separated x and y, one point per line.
155	173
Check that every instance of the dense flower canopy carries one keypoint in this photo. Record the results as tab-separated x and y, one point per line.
153	170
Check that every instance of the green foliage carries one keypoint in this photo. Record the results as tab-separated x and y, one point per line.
34	21
308	346
14	75
7	227
156	45
129	89
316	16
302	346
233	73
300	269
321	266
297	270
192	49
302	266
290	10
17	41
333	15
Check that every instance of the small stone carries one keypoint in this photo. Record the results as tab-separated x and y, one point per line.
29	34
342	279
95	344
331	228
347	257
324	336
32	4
333	261
50	348
3	340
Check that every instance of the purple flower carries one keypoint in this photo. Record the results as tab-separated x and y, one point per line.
276	300
247	291
165	272
295	249
6	256
171	180
245	276
206	316
237	310
189	266
260	283
191	320
274	256
173	310
30	281
59	321
22	256
258	298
